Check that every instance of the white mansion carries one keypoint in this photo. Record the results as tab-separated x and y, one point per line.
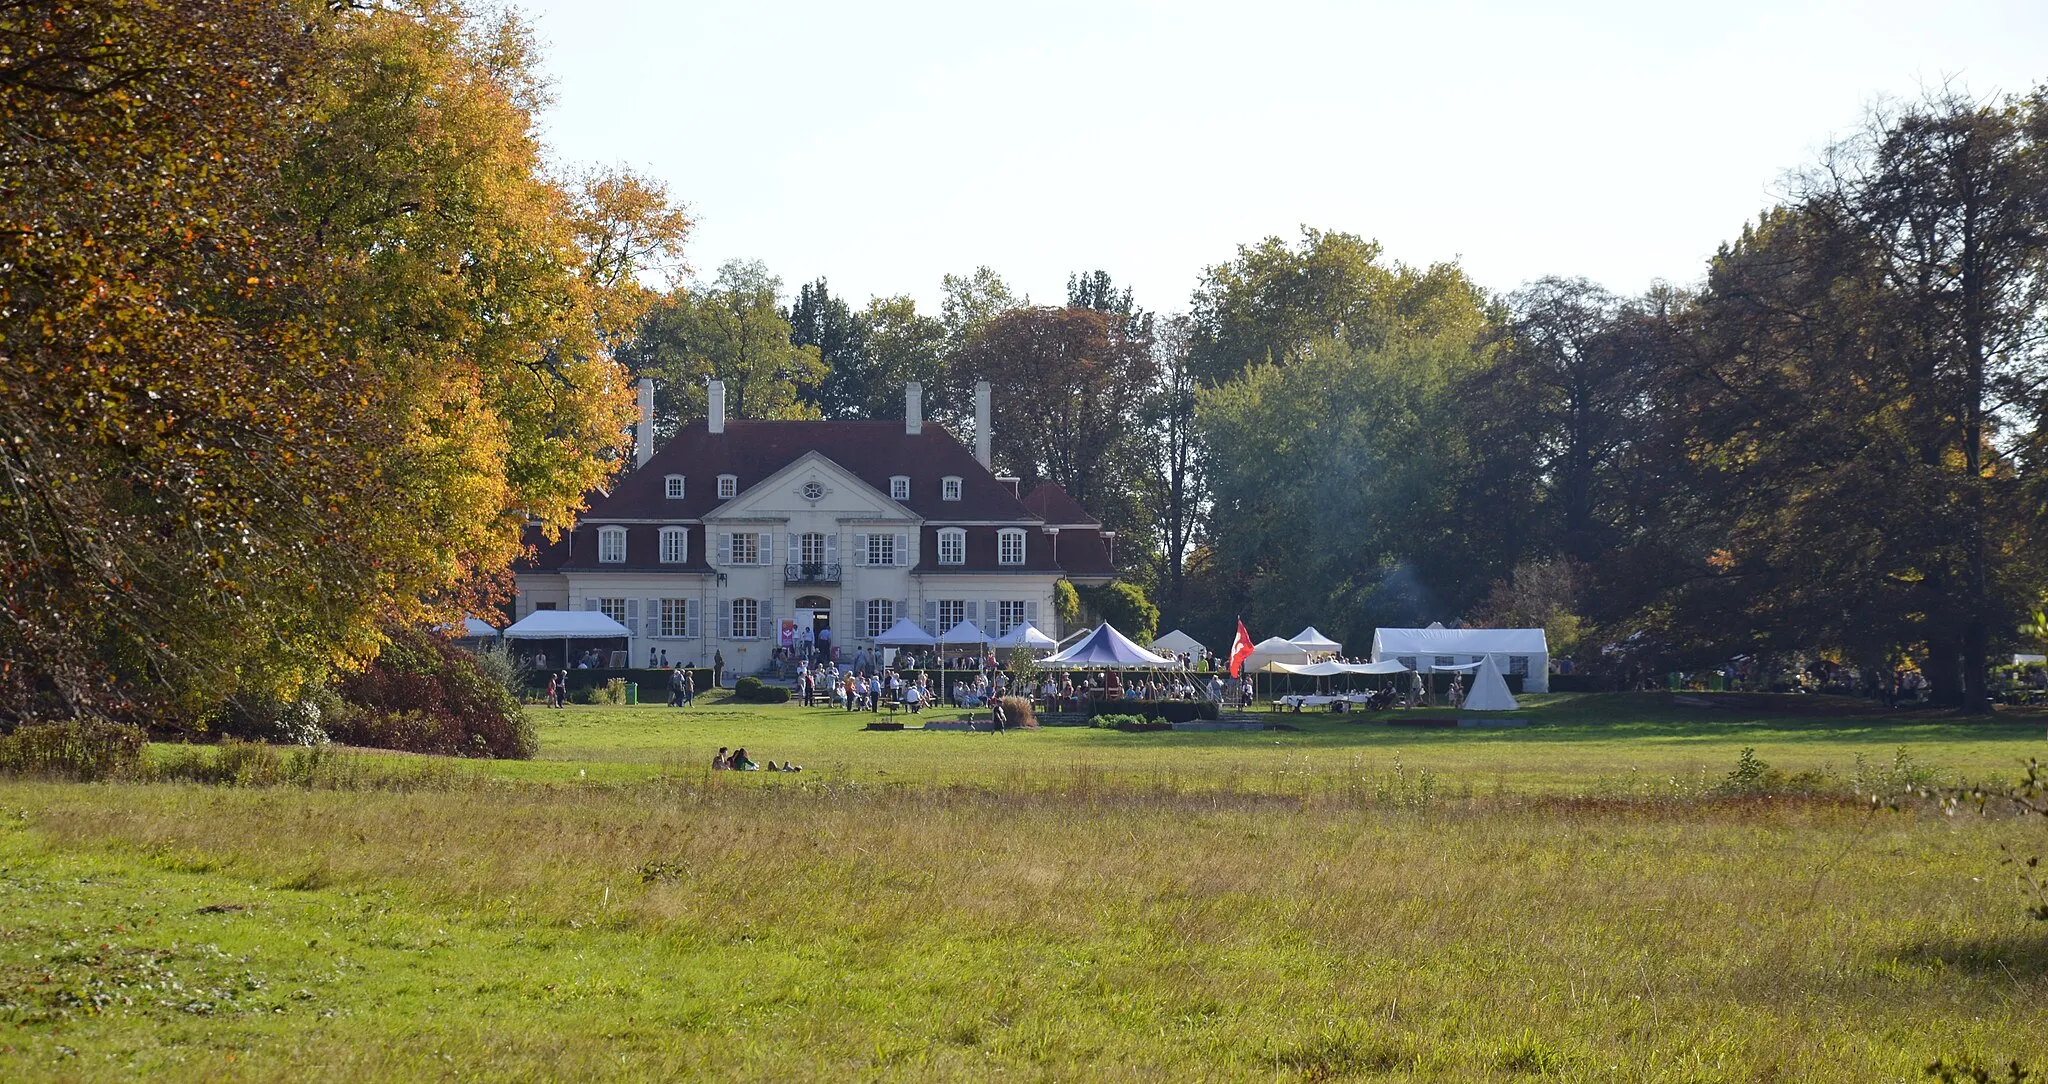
737	536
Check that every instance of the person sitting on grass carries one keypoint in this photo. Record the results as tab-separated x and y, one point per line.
721	762
740	763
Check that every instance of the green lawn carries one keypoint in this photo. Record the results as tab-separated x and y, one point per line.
1569	901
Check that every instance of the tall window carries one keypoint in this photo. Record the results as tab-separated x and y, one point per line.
674	487
1010	547
1012	613
746	548
899	488
675	618
952	611
881	615
952	546
614	608
813	549
746	619
675	545
881	549
611	545
728	486
949	488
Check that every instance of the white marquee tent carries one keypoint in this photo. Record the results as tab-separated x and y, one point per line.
1273	649
1025	635
1315	642
1178	641
1513	651
966	632
905	633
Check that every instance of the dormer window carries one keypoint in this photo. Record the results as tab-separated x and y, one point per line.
673	487
611	545
899	487
728	486
675	545
949	488
952	546
1010	546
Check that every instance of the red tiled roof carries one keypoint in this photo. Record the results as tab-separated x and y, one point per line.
1049	502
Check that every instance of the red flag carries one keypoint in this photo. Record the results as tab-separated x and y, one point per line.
1240	649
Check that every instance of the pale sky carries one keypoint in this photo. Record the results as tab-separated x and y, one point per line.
884	145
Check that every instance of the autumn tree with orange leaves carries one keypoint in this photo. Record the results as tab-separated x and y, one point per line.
296	334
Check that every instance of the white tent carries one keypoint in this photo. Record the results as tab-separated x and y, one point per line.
564	625
1274	649
1489	690
966	632
479	630
905	633
1327	668
1025	635
1107	648
1524	651
1315	642
1178	641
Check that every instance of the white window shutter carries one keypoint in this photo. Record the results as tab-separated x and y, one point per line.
860	549
903	549
972	612
768	629
795	553
992	618
632	617
724	547
590	604
725	619
1031	612
690	630
931	617
767	547
652	617
855	623
832	547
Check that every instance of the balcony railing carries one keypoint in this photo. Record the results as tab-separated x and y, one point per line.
811	572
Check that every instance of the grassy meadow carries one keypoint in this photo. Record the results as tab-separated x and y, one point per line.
1588	898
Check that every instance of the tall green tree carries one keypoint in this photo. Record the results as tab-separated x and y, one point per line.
1275	301
820	320
731	330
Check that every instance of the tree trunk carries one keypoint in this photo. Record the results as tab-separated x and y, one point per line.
1944	673
1976	663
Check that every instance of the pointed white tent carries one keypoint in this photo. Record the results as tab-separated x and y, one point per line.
905	633
966	632
1178	641
1489	690
1274	649
1026	635
1311	640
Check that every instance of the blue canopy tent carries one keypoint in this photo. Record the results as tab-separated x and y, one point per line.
1109	649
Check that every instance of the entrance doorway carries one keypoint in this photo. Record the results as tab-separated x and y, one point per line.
814	627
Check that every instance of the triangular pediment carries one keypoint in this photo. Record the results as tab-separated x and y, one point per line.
790	491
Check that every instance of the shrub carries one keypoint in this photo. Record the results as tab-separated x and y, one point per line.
426	695
1017	712
1170	711
257	717
1125	606
1130	723
752	690
80	749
